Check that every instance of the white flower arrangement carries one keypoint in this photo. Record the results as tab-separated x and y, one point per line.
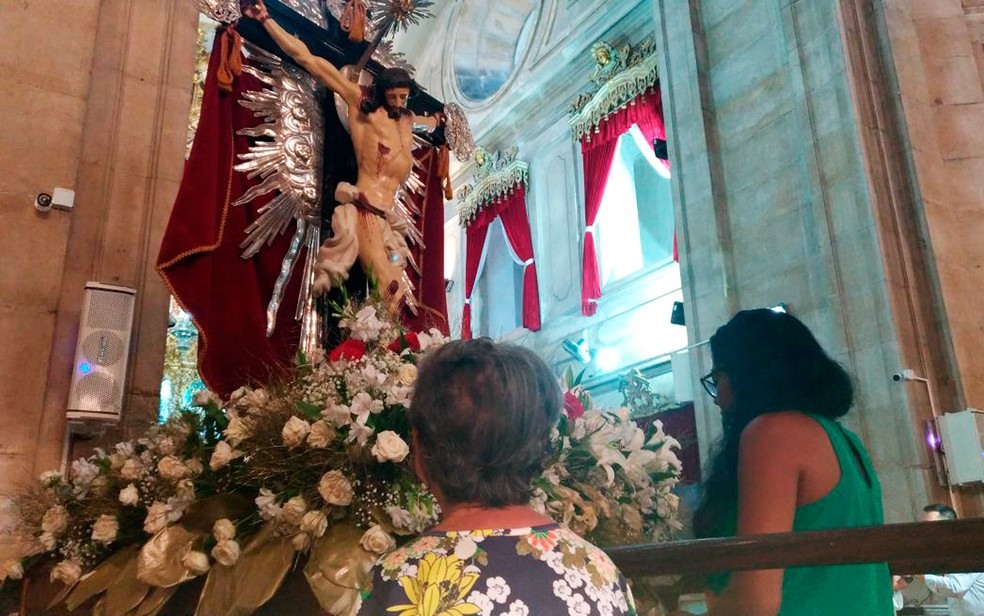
319	463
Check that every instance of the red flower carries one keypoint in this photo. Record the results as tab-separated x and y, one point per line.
406	341
572	406
350	349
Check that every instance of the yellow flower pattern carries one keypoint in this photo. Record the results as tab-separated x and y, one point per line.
506	572
438	589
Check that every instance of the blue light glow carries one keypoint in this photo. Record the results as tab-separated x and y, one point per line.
85	368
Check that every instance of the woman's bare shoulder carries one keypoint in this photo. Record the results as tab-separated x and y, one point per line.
784	428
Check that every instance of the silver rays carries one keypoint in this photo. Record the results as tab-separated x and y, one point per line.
287	157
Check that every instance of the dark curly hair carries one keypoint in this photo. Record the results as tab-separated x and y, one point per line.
773	363
387	80
482	413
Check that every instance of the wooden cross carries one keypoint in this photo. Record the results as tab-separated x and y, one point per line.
331	44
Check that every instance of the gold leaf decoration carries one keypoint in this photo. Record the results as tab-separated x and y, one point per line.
155	601
100	578
338	570
159	563
254	579
126	592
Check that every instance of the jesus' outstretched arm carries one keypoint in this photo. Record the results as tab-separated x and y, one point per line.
322	69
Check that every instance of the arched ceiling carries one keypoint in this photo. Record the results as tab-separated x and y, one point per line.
490	41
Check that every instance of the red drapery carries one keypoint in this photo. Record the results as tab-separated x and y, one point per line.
598	152
199	256
430	294
475	236
511	210
226	295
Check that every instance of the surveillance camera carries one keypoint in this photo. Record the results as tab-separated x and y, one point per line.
42	202
897	376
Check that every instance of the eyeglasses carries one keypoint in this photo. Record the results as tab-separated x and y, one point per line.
710	384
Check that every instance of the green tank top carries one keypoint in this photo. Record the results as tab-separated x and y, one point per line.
843	590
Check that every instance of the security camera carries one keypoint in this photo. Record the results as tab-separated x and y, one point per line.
43	202
906	375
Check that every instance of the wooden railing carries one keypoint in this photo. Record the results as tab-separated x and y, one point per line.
925	547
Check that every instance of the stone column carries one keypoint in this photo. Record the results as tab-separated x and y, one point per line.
101	108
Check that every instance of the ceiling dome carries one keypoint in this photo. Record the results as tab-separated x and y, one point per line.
490	42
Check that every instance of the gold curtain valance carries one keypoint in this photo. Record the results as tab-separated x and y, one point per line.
622	74
498	174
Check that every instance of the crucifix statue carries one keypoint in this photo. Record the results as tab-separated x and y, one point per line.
364	225
382	174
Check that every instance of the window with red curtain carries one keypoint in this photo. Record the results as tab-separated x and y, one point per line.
509	212
599	149
634	228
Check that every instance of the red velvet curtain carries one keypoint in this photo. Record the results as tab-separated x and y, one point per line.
199	256
475	235
430	293
598	152
512	211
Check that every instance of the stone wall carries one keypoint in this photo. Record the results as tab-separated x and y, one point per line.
96	100
790	182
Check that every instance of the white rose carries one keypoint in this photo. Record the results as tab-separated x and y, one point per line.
256	398
222	455
171	468
47	541
238	429
239	393
390	447
55	520
301	542
132	469
185	491
67	572
335	488
322	434
105	529
117	460
377	540
295	431
314	523
407	374
226	552
50	478
166	446
129	495
12	569
195	466
157	518
266	502
224	529
195	562
294	510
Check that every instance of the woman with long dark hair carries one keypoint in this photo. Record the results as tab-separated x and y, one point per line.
785	464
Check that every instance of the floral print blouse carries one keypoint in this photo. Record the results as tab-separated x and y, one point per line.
539	571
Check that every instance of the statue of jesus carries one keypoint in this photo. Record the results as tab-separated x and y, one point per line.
365	224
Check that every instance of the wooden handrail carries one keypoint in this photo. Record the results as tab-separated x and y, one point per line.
925	547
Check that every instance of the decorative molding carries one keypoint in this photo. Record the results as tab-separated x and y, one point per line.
973	6
498	174
622	75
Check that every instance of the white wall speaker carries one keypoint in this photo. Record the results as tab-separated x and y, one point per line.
102	354
963	445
